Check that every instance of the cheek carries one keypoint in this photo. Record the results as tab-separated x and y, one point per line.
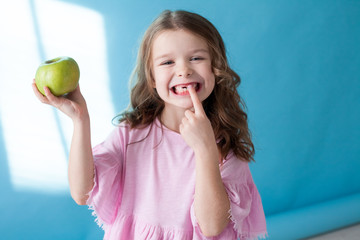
212	81
210	75
162	78
161	86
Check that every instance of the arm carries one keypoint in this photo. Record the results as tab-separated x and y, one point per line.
211	203
81	166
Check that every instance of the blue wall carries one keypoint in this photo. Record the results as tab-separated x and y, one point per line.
299	63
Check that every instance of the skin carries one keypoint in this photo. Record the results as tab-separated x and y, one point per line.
183	114
81	164
211	202
180	57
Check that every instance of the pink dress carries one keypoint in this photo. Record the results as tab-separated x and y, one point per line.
145	183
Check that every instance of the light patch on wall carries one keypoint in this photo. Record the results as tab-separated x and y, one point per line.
37	137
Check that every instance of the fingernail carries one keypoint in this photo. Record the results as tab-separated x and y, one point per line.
190	86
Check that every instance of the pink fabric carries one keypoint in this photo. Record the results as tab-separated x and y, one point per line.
144	188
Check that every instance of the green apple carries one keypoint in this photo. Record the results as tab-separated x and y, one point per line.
60	75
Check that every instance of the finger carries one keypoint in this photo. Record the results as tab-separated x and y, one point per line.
181	126
195	99
76	94
184	121
53	100
38	94
189	114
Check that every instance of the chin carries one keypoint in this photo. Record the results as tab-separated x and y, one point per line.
182	105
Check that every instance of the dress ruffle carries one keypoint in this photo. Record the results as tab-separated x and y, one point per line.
104	197
132	227
119	219
244	202
246	211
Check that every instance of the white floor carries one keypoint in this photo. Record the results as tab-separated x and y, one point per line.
349	233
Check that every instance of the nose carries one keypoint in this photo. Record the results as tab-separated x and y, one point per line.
183	70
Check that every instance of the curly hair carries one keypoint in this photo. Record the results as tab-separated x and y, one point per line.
224	107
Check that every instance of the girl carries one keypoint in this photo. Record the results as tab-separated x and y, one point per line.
176	167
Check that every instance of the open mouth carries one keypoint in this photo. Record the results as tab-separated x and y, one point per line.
181	89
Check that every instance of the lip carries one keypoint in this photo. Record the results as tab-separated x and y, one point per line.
181	89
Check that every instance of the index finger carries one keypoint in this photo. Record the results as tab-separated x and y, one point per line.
38	94
195	99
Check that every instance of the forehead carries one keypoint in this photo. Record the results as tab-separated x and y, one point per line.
175	41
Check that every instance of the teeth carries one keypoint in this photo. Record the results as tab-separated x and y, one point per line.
180	89
183	88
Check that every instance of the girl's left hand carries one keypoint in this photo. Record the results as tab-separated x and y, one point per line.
196	128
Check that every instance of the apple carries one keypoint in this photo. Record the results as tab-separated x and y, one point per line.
61	75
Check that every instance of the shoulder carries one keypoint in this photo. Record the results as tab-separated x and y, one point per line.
127	134
119	133
234	169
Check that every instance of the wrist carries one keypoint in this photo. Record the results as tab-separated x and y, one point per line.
207	152
82	119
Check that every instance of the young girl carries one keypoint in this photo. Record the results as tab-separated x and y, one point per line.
176	167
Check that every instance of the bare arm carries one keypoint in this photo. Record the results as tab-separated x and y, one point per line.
81	166
211	203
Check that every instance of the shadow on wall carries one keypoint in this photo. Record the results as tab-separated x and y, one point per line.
35	202
34	215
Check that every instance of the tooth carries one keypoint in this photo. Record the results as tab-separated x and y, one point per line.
180	89
183	88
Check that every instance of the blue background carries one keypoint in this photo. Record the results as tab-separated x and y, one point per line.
299	63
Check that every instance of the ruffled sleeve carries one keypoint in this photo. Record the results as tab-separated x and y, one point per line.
247	218
246	211
108	164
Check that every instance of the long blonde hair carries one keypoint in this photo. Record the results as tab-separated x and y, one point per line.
224	107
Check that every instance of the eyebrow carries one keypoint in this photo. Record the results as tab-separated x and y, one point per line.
192	52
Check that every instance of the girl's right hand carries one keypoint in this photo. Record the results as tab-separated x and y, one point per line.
73	104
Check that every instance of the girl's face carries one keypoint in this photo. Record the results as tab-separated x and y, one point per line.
179	59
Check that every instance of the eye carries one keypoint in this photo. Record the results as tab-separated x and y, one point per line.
196	58
167	62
